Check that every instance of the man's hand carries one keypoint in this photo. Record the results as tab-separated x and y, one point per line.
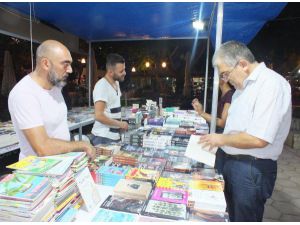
197	106
124	125
90	150
212	140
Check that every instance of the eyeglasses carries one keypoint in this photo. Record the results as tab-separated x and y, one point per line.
225	75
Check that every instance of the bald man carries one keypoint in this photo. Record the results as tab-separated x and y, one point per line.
37	107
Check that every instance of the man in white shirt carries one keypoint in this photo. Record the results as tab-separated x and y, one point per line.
107	101
37	107
257	125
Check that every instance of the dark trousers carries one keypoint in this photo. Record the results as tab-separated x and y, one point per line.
248	184
220	161
96	140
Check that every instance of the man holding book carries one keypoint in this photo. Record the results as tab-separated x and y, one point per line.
257	125
37	107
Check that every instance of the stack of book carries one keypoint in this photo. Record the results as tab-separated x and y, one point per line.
152	163
155	153
66	191
26	198
207	195
34	165
156	121
126	158
156	141
180	140
110	175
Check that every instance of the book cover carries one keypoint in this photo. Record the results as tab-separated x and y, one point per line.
34	164
210	185
170	183
165	210
142	174
23	187
170	195
133	188
198	215
118	203
105	215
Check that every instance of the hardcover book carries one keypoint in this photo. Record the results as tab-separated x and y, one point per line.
133	189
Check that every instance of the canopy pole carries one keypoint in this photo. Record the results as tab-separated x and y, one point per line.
90	72
216	74
206	74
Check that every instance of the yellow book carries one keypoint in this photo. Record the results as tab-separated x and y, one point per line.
167	182
206	185
34	165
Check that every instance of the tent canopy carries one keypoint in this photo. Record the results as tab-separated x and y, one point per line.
100	21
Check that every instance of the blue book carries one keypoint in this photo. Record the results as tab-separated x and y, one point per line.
104	215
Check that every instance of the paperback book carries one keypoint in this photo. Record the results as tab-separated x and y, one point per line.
118	203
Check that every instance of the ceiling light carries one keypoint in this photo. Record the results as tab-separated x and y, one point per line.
83	61
164	65
198	24
133	70
147	64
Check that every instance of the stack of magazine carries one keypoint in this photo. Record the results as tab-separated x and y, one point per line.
110	175
26	198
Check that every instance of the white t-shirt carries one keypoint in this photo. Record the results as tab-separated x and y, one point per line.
32	106
103	91
262	109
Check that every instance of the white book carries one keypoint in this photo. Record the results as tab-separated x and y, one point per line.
196	151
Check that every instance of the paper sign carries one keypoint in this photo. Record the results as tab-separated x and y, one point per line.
196	151
87	189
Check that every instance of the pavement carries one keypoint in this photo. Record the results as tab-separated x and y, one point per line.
284	204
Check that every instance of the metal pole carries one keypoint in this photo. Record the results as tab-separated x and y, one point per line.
206	74
216	75
90	72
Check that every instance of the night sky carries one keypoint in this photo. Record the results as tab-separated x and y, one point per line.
278	42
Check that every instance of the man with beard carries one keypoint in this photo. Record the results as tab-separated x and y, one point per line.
107	101
37	108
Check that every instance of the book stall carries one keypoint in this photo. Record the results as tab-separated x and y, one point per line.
158	172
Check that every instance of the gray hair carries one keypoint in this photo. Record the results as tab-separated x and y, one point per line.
231	52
